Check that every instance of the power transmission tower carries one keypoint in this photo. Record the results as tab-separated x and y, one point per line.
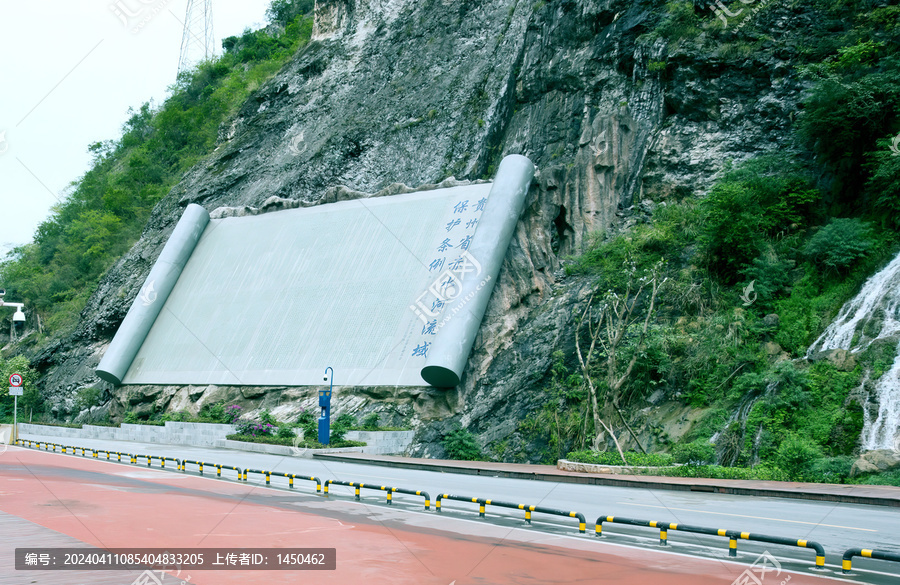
197	41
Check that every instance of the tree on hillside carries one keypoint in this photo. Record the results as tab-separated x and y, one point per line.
613	326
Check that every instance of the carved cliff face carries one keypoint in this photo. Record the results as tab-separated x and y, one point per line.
415	91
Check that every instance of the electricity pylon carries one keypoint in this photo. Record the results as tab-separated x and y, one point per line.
197	41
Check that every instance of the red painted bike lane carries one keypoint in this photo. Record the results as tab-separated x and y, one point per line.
113	505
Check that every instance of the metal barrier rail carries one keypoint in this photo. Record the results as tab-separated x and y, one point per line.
390	491
663	526
162	460
820	550
732	535
219	468
482	503
200	464
291	477
868	553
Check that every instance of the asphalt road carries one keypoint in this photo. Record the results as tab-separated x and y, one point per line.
835	526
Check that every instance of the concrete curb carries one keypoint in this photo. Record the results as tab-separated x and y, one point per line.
819	492
566	465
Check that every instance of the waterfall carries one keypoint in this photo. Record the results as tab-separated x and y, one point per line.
879	300
724	456
872	314
884	431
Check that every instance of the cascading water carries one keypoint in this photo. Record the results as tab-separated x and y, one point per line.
726	456
872	315
884	431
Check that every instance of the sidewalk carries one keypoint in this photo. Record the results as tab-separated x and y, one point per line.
872	495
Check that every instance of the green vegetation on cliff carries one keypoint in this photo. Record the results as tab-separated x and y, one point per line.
753	272
107	208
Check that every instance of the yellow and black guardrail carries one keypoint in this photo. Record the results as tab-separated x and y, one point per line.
290	477
483	503
390	491
868	553
219	468
732	535
199	464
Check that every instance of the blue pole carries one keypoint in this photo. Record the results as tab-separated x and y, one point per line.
325	404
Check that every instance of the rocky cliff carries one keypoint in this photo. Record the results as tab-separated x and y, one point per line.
617	118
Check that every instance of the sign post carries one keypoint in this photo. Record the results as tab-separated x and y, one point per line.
15	390
325	405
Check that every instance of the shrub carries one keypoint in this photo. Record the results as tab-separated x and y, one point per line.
840	243
254	429
130	418
212	412
340	426
86	398
831	469
749	207
307	421
762	472
309	444
232	413
796	456
613	458
370	422
886	478
461	444
285	432
697	453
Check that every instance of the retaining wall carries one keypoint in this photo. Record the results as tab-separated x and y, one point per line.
173	433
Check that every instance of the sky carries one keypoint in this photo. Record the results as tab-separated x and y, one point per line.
69	72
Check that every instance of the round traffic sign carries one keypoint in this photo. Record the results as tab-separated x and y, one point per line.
16	380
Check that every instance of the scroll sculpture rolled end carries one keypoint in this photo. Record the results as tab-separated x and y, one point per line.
440	377
108	377
462	317
152	296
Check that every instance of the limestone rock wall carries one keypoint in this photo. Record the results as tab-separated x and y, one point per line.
416	91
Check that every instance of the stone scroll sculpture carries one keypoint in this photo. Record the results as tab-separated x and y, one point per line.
389	291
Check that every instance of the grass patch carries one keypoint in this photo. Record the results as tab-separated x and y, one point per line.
612	458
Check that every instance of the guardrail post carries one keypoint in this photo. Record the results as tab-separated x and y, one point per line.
480	506
663	531
389	495
868	553
268	475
